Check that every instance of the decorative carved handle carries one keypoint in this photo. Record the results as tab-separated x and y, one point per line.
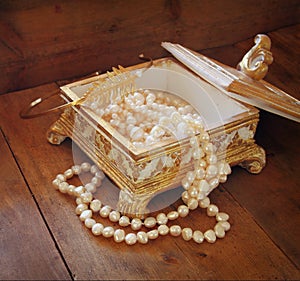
255	62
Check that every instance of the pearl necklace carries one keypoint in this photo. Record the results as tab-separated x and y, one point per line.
208	173
87	205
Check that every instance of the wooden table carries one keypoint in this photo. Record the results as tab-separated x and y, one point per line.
42	238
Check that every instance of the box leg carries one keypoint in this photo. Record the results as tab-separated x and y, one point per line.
256	160
56	133
133	205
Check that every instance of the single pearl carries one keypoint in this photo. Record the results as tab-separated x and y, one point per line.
219	231
150	222
190	176
96	181
150	99
188	108
212	159
80	208
105	211
142	237
56	183
163	229
136	224
76	169
161	218
78	200
193	192
183	211
185	197
175	230
203	186
78	190
85	166
95	205
198	236
71	189
181	130
173	215
136	133
124	221
68	173
185	183
97	229
194	142
202	163
187	233
211	171
119	235
63	187
89	222
200	173
149	140
152	234
94	169
210	236
61	177
209	148
222	216
157	132
85	214
192	203
224	168
114	216
227	169
225	225
213	183
222	178
90	187
204	203
108	231
100	175
212	210
130	239
176	117
204	137
198	153
86	197
139	98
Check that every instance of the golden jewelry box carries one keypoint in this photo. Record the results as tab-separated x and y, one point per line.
143	172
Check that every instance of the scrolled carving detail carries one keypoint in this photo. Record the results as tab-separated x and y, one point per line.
256	61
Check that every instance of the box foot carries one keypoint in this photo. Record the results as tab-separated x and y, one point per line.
256	161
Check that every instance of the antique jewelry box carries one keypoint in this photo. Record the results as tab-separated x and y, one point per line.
220	94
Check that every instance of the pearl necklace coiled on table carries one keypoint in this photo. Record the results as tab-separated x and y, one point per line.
208	173
87	205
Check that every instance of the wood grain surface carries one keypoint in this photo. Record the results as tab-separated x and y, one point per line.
26	246
44	41
263	243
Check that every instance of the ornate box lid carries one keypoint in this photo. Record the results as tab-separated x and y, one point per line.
245	83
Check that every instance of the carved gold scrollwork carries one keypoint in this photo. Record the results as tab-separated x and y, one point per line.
255	63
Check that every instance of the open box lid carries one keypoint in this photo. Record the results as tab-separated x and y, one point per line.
245	84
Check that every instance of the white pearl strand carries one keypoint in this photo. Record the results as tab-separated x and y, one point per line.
198	184
87	205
